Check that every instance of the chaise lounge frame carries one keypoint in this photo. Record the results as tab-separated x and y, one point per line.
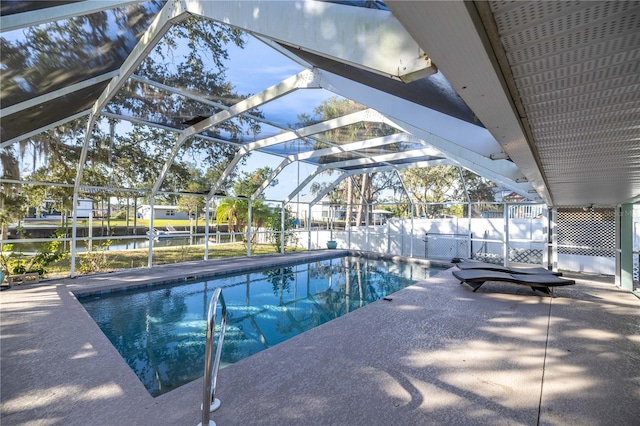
545	283
467	265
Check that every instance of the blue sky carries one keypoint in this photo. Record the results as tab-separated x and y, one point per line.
255	68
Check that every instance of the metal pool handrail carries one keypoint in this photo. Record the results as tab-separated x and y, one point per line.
209	402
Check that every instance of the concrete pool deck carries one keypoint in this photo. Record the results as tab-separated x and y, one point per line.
437	353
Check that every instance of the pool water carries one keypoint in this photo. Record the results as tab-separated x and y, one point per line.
160	331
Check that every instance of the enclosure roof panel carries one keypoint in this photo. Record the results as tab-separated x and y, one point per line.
541	97
40	84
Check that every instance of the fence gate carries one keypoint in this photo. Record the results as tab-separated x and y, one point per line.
446	246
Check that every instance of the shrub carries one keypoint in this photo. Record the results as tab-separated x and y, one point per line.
14	263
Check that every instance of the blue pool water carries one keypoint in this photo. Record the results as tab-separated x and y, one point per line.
160	331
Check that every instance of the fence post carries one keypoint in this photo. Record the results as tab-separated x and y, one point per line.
505	238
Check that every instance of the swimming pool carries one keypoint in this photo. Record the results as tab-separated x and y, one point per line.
160	330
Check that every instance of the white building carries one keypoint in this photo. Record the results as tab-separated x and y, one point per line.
47	209
161	212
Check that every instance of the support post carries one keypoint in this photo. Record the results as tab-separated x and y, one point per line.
412	230
151	232
282	225
545	237
505	238
470	235
625	218
388	236
309	227
553	242
249	230
207	209
74	233
367	223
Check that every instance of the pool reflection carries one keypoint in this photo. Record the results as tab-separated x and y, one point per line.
160	331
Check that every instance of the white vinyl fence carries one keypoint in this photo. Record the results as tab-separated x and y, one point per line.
483	239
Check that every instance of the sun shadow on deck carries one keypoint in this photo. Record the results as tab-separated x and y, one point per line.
437	353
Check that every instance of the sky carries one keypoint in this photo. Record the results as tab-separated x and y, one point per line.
255	68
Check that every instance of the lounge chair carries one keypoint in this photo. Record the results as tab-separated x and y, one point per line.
541	282
465	266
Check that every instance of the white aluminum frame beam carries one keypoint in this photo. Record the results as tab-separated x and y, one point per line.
404	187
304	183
139	121
354	146
367	115
163	127
320	195
200	98
502	172
473	70
172	12
345	120
377	159
56	13
466	144
369	143
369	39
370	170
386	168
303	80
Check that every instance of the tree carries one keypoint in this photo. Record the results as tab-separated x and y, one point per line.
12	201
193	204
190	56
442	184
282	237
229	209
12	204
369	185
248	183
236	210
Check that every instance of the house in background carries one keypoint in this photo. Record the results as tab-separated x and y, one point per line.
161	212
321	211
47	209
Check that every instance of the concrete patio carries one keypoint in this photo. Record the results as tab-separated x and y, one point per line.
437	353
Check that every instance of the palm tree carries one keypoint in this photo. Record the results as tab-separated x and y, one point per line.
231	210
260	213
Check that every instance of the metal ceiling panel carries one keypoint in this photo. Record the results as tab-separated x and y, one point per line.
557	83
433	92
577	69
367	38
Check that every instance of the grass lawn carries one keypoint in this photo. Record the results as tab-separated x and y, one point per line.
113	260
